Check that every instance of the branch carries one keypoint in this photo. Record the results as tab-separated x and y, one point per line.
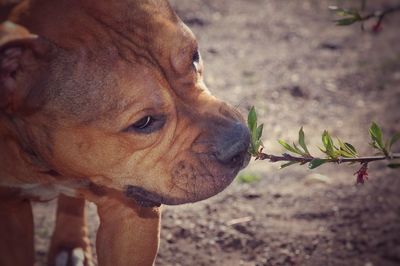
380	14
337	151
353	15
303	160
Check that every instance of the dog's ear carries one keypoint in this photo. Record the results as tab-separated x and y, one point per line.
19	53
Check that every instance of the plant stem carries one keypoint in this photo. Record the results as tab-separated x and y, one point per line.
303	160
381	14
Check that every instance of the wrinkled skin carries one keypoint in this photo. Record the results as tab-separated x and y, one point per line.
99	76
106	99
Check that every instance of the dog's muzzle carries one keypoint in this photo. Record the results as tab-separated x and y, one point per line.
207	173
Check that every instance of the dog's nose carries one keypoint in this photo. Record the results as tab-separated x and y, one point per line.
232	145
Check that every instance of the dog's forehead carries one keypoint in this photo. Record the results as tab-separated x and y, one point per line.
95	36
140	29
71	23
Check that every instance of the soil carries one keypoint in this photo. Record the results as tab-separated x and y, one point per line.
289	60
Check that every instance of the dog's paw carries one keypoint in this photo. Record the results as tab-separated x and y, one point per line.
74	257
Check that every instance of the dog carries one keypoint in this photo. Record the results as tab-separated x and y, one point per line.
105	101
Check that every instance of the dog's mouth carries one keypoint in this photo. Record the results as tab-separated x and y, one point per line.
214	180
142	197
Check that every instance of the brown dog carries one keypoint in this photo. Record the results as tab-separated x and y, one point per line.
105	101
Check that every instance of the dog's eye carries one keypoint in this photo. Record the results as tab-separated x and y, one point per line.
147	124
144	122
196	60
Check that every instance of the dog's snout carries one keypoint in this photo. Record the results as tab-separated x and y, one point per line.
232	145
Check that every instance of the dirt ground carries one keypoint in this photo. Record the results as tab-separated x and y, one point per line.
289	60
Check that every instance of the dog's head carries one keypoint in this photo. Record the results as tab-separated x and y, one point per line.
113	91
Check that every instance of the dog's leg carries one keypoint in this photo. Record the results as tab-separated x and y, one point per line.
16	232
70	243
127	235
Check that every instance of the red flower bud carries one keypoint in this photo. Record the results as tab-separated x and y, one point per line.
362	174
377	27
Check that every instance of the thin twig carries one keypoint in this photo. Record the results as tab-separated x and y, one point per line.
303	160
380	14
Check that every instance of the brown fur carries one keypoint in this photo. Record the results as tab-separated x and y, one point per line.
76	75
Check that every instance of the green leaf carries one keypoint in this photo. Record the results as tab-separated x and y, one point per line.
347	150
287	164
302	141
327	140
351	149
287	146
328	144
341	144
375	146
344	153
256	132
299	151
251	150
394	165
259	144
376	135
316	163
394	139
259	131
321	149
343	12
346	21
252	119
255	147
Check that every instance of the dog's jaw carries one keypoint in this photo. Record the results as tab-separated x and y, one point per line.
142	197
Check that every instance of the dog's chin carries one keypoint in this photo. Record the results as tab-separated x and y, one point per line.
143	197
148	199
217	181
146	203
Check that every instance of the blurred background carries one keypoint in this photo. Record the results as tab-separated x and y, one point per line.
290	60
